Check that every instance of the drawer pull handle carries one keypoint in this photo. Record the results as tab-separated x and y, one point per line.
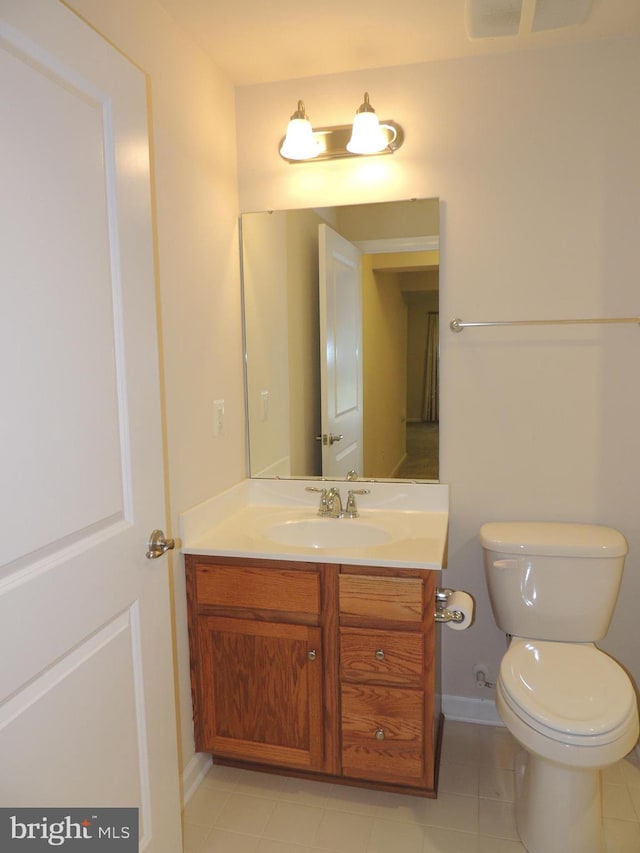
379	654
379	734
312	654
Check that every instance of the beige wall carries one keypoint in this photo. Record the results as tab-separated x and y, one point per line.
303	334
535	159
389	221
393	352
195	206
280	268
419	304
265	269
384	365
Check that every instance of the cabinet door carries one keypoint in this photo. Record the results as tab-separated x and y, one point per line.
259	689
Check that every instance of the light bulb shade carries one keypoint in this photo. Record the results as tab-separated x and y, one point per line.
299	143
367	137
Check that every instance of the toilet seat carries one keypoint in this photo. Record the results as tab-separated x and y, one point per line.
569	692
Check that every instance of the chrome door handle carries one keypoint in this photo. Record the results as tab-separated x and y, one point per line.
158	545
330	438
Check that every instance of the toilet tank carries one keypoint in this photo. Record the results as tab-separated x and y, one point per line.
553	581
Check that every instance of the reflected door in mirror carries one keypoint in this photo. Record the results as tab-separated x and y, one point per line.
340	354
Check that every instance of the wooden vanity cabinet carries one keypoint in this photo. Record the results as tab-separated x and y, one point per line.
390	724
259	661
317	669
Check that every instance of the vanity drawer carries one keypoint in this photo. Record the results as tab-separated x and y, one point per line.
382	733
258	588
382	657
381	599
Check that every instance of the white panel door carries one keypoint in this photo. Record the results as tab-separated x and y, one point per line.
87	712
341	353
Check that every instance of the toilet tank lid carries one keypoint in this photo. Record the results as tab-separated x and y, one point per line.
552	539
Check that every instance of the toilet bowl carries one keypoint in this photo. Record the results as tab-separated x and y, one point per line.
571	707
577	704
556	700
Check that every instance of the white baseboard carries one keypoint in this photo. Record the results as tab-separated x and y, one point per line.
193	774
466	710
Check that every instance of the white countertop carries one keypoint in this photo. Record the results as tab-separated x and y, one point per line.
238	523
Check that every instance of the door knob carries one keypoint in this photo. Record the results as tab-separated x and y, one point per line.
329	438
158	545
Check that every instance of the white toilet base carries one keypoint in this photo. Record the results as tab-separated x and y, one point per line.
558	809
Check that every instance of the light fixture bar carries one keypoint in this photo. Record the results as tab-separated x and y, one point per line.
333	141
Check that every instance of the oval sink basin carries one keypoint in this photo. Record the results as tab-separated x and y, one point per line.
328	533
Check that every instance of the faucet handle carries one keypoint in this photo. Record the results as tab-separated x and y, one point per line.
323	509
351	511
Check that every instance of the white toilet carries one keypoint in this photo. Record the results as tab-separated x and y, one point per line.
553	588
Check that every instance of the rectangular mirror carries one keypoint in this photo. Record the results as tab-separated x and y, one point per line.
340	308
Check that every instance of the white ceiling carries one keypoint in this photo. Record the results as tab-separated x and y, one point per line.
260	41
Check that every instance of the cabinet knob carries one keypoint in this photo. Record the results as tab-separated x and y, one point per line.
312	654
379	655
379	734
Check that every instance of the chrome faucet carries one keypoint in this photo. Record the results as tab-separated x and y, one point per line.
331	502
334	503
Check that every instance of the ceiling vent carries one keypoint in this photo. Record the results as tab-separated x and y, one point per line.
497	18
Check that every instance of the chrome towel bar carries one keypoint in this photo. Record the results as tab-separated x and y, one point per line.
458	325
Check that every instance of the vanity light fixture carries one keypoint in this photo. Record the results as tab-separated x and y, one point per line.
365	136
300	142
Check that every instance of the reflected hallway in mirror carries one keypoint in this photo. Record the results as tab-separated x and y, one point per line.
341	349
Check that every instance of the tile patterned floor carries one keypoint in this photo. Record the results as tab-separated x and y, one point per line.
238	811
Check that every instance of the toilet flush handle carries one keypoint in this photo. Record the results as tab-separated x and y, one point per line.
507	563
